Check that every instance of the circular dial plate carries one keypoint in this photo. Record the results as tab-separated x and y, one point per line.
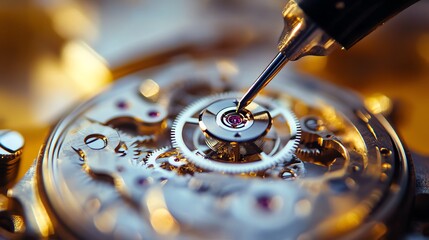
113	168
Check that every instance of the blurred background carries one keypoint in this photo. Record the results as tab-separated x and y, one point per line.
57	53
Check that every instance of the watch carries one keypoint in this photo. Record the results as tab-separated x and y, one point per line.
163	154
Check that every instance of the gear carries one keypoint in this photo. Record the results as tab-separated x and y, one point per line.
98	136
303	152
317	144
258	153
169	162
292	170
134	147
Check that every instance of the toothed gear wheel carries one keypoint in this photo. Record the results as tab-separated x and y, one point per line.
287	171
167	161
308	152
277	146
133	147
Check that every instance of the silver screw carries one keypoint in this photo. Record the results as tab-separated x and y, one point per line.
11	144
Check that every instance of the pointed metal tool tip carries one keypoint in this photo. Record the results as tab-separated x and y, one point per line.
266	76
240	106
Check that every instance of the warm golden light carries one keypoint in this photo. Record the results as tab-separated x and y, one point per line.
57	83
352	219
4	201
313	63
160	218
72	21
423	46
378	231
162	221
227	68
49	80
330	116
285	41
18	223
378	104
88	70
150	89
43	223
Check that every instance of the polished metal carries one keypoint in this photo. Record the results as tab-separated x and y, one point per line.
252	123
11	145
266	76
114	168
107	173
210	144
300	37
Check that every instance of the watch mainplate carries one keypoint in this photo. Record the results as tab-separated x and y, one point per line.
112	169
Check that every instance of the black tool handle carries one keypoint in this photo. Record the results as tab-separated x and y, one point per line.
348	21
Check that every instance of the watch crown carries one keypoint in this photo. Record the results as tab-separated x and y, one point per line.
11	144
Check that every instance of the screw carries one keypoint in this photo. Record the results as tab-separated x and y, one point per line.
96	141
11	144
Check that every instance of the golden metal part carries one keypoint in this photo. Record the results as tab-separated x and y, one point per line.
379	104
149	89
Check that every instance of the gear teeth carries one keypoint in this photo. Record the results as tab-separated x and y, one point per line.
157	152
151	161
194	105
131	142
284	155
308	152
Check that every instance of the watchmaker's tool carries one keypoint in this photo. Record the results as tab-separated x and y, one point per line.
316	27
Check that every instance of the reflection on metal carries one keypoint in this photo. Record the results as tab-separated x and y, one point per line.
301	36
147	181
76	73
18	223
4	202
88	70
248	145
36	218
150	90
11	144
379	104
160	218
316	194
313	64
